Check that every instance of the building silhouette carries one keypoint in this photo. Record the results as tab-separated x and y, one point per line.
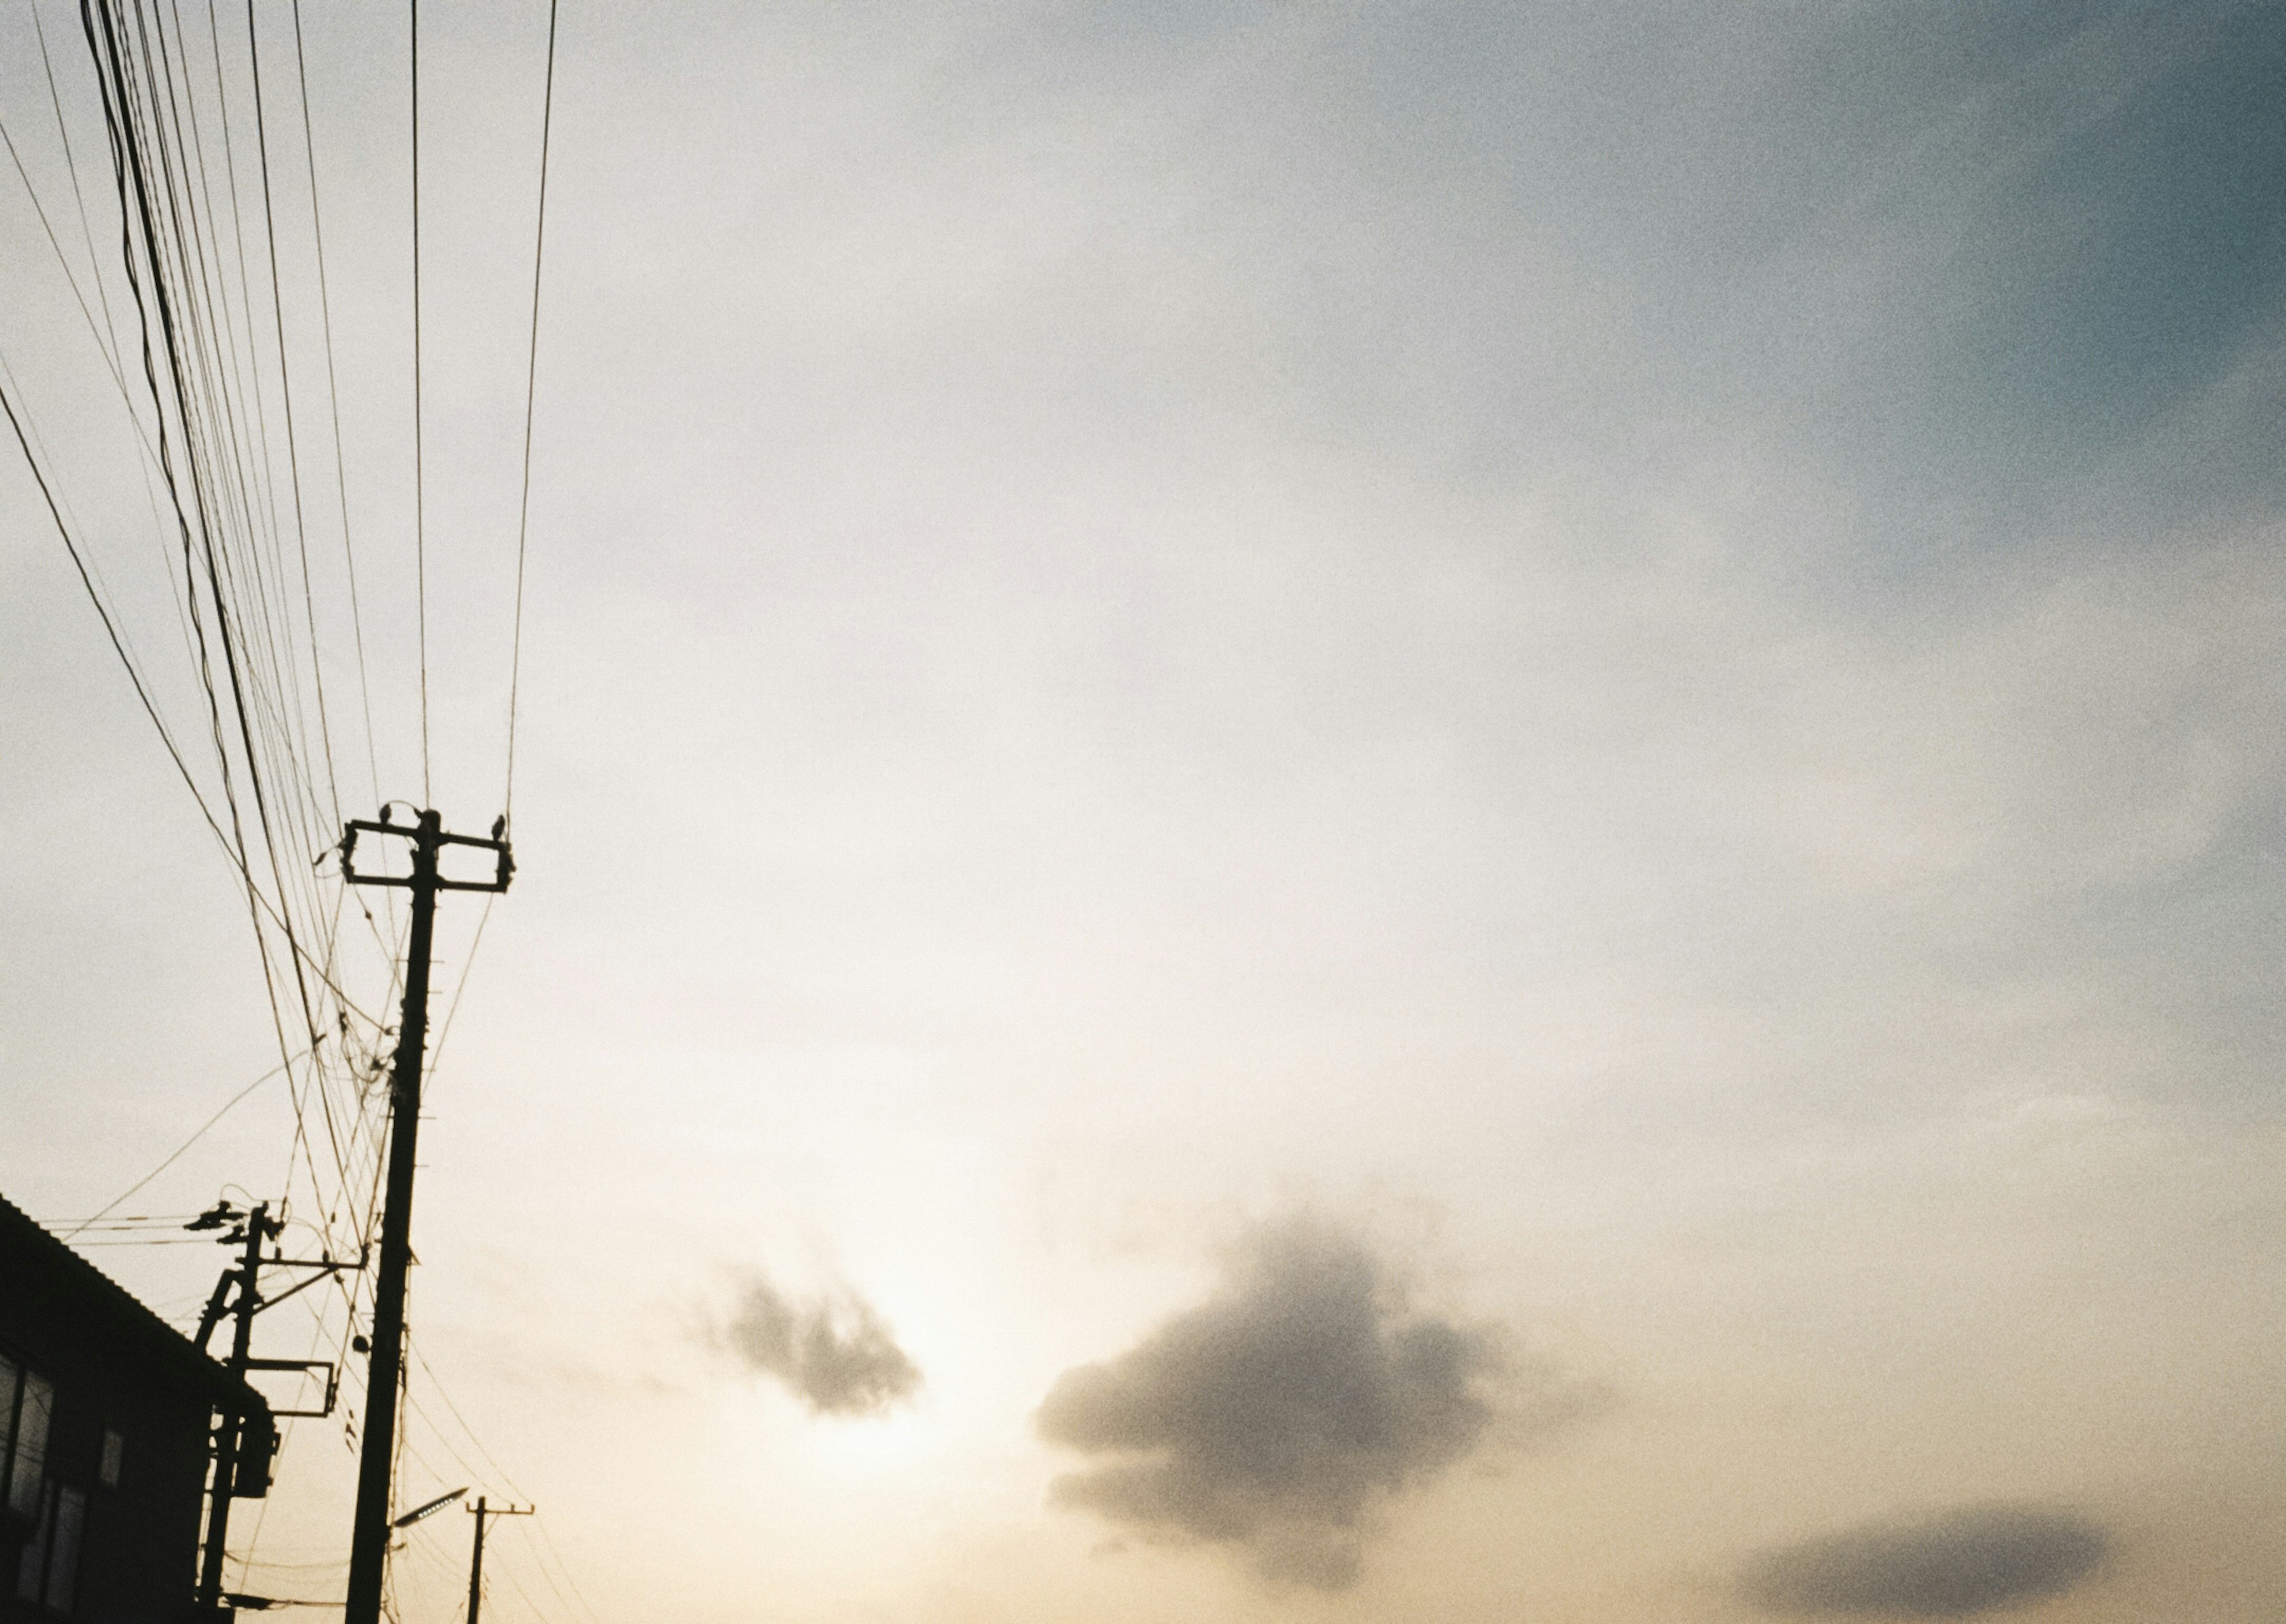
108	1416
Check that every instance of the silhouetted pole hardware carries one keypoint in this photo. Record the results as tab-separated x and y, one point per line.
481	1510
241	1454
369	1533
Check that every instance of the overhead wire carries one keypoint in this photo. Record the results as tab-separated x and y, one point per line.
517	1585
27	436
110	361
420	487
129	161
41	454
293	459
334	400
204	467
230	477
103	336
110	626
79	196
107	338
176	1154
531	394
178	244
246	369
115	636
254	499
437	1386
283	663
212	449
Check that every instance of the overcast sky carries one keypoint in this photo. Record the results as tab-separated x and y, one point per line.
1323	811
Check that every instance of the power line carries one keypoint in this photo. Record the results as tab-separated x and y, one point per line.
63	260
177	1153
134	675
79	196
420	490
531	378
285	389
231	663
235	595
214	505
108	340
110	627
130	160
293	459
510	1483
334	398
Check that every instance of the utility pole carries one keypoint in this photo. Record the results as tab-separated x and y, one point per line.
369	1533
242	1458
481	1510
258	1229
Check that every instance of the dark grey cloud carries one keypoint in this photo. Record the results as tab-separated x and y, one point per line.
1970	1560
835	1353
1280	1415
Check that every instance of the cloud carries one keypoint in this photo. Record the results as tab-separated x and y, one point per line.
1281	1415
1969	1560
835	1353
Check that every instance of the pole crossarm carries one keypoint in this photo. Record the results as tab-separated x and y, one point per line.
434	839
332	1381
324	1270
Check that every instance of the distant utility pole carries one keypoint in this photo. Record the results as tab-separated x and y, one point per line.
369	1533
481	1510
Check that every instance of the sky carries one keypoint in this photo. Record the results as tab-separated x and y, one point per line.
1323	812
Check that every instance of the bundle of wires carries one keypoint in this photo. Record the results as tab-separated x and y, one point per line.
205	158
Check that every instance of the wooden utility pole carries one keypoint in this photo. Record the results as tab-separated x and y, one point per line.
258	1229
481	1510
369	1533
242	1451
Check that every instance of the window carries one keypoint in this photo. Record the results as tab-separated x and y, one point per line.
28	1468
49	1569
9	1380
63	1556
36	1550
115	1455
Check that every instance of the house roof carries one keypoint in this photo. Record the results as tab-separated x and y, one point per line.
41	1269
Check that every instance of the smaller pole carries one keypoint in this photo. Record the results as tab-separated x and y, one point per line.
481	1510
225	1467
477	1565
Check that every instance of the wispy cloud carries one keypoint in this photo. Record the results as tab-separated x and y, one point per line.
1280	1415
834	1352
1969	1560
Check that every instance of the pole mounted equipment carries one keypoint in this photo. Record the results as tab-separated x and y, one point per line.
369	1532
